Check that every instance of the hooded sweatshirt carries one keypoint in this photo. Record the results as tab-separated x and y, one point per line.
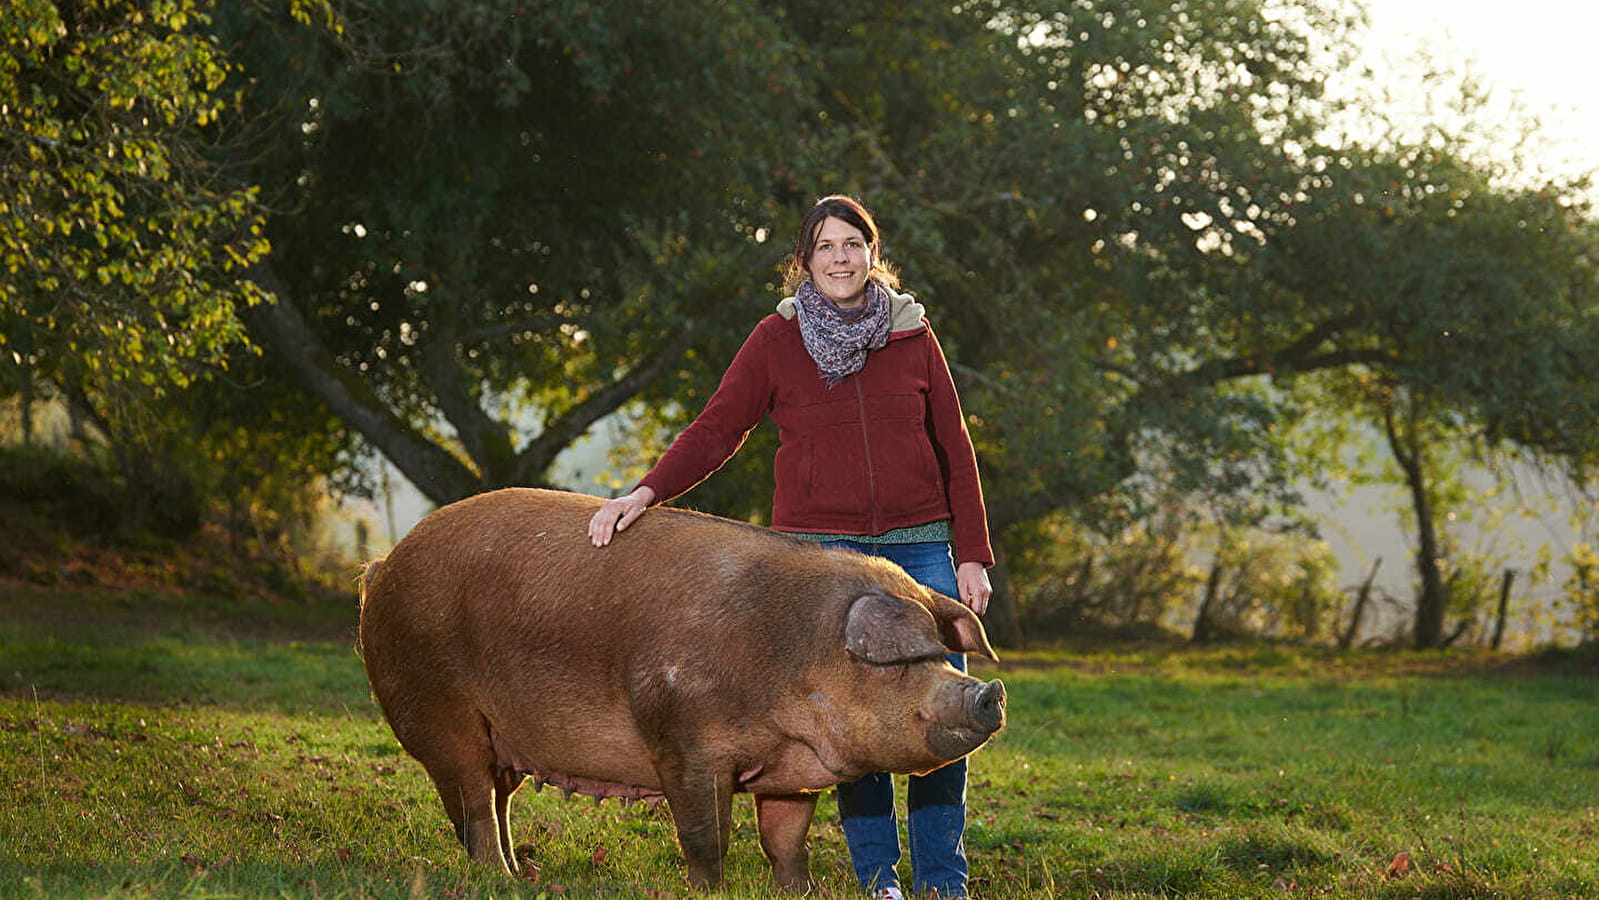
885	448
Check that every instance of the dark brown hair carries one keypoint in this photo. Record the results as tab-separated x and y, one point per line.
847	209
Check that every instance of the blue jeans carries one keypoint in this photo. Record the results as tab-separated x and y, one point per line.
936	802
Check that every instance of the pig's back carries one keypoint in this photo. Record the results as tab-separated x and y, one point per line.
501	601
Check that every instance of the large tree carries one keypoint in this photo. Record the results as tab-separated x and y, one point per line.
502	221
124	243
1472	297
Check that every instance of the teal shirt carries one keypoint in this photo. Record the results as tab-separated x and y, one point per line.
926	533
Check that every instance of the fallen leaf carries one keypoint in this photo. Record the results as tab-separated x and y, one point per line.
598	856
528	872
1400	867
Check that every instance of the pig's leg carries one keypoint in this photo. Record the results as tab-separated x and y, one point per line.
451	740
469	799
783	821
505	784
701	799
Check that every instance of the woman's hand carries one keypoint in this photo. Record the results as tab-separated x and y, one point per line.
972	580
619	513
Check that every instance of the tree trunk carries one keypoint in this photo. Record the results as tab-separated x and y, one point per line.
279	326
27	405
1430	603
1411	456
433	468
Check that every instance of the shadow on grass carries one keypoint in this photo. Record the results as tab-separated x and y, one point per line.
180	665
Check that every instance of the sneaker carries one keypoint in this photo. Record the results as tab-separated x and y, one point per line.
891	892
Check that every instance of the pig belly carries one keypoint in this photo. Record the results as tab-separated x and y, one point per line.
576	753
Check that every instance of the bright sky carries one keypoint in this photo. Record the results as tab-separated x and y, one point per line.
1542	49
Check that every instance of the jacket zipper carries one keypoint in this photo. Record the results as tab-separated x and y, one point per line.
866	441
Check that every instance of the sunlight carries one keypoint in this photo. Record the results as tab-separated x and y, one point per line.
1538	56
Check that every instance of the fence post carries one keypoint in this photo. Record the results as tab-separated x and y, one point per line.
1360	607
1504	606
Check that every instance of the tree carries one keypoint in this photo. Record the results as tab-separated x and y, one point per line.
424	249
125	243
565	205
1471	300
122	249
1131	232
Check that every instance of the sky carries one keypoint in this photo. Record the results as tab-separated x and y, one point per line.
1543	50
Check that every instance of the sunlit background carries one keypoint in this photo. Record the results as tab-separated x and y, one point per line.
1540	53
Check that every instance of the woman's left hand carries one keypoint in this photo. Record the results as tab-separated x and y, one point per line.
972	580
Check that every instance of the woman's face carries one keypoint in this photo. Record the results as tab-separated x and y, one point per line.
840	262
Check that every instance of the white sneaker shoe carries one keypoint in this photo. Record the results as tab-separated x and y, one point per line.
892	892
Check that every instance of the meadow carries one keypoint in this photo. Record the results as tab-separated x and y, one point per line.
157	744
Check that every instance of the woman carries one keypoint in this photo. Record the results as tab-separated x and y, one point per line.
874	457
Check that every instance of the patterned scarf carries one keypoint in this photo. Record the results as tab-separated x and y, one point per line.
839	338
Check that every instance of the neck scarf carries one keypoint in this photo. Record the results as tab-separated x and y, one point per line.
838	339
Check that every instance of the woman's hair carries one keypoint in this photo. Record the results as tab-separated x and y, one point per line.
847	209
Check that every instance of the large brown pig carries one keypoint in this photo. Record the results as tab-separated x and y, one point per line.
693	658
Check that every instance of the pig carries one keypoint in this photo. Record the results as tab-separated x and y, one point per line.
693	658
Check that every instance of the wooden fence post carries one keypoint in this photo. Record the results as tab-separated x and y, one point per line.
1504	607
1361	600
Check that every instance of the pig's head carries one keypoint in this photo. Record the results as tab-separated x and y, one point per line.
910	710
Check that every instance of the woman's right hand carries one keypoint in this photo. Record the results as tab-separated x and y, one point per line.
619	513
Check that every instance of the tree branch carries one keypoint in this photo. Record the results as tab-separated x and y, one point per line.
279	326
567	428
487	440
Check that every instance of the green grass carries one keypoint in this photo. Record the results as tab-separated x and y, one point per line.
161	746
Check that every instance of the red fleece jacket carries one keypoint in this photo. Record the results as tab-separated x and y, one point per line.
885	448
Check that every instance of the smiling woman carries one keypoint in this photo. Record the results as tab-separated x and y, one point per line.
838	249
839	263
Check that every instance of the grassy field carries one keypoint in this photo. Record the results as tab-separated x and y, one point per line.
160	745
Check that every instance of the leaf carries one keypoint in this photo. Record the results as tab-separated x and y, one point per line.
1399	868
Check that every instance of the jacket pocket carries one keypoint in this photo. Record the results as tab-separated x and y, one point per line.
909	478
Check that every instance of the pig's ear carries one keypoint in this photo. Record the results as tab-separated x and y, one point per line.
959	628
884	630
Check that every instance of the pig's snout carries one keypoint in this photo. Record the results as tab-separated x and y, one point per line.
974	711
988	707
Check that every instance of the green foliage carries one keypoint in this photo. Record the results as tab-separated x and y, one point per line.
125	241
1150	580
74	494
1581	591
564	192
121	247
